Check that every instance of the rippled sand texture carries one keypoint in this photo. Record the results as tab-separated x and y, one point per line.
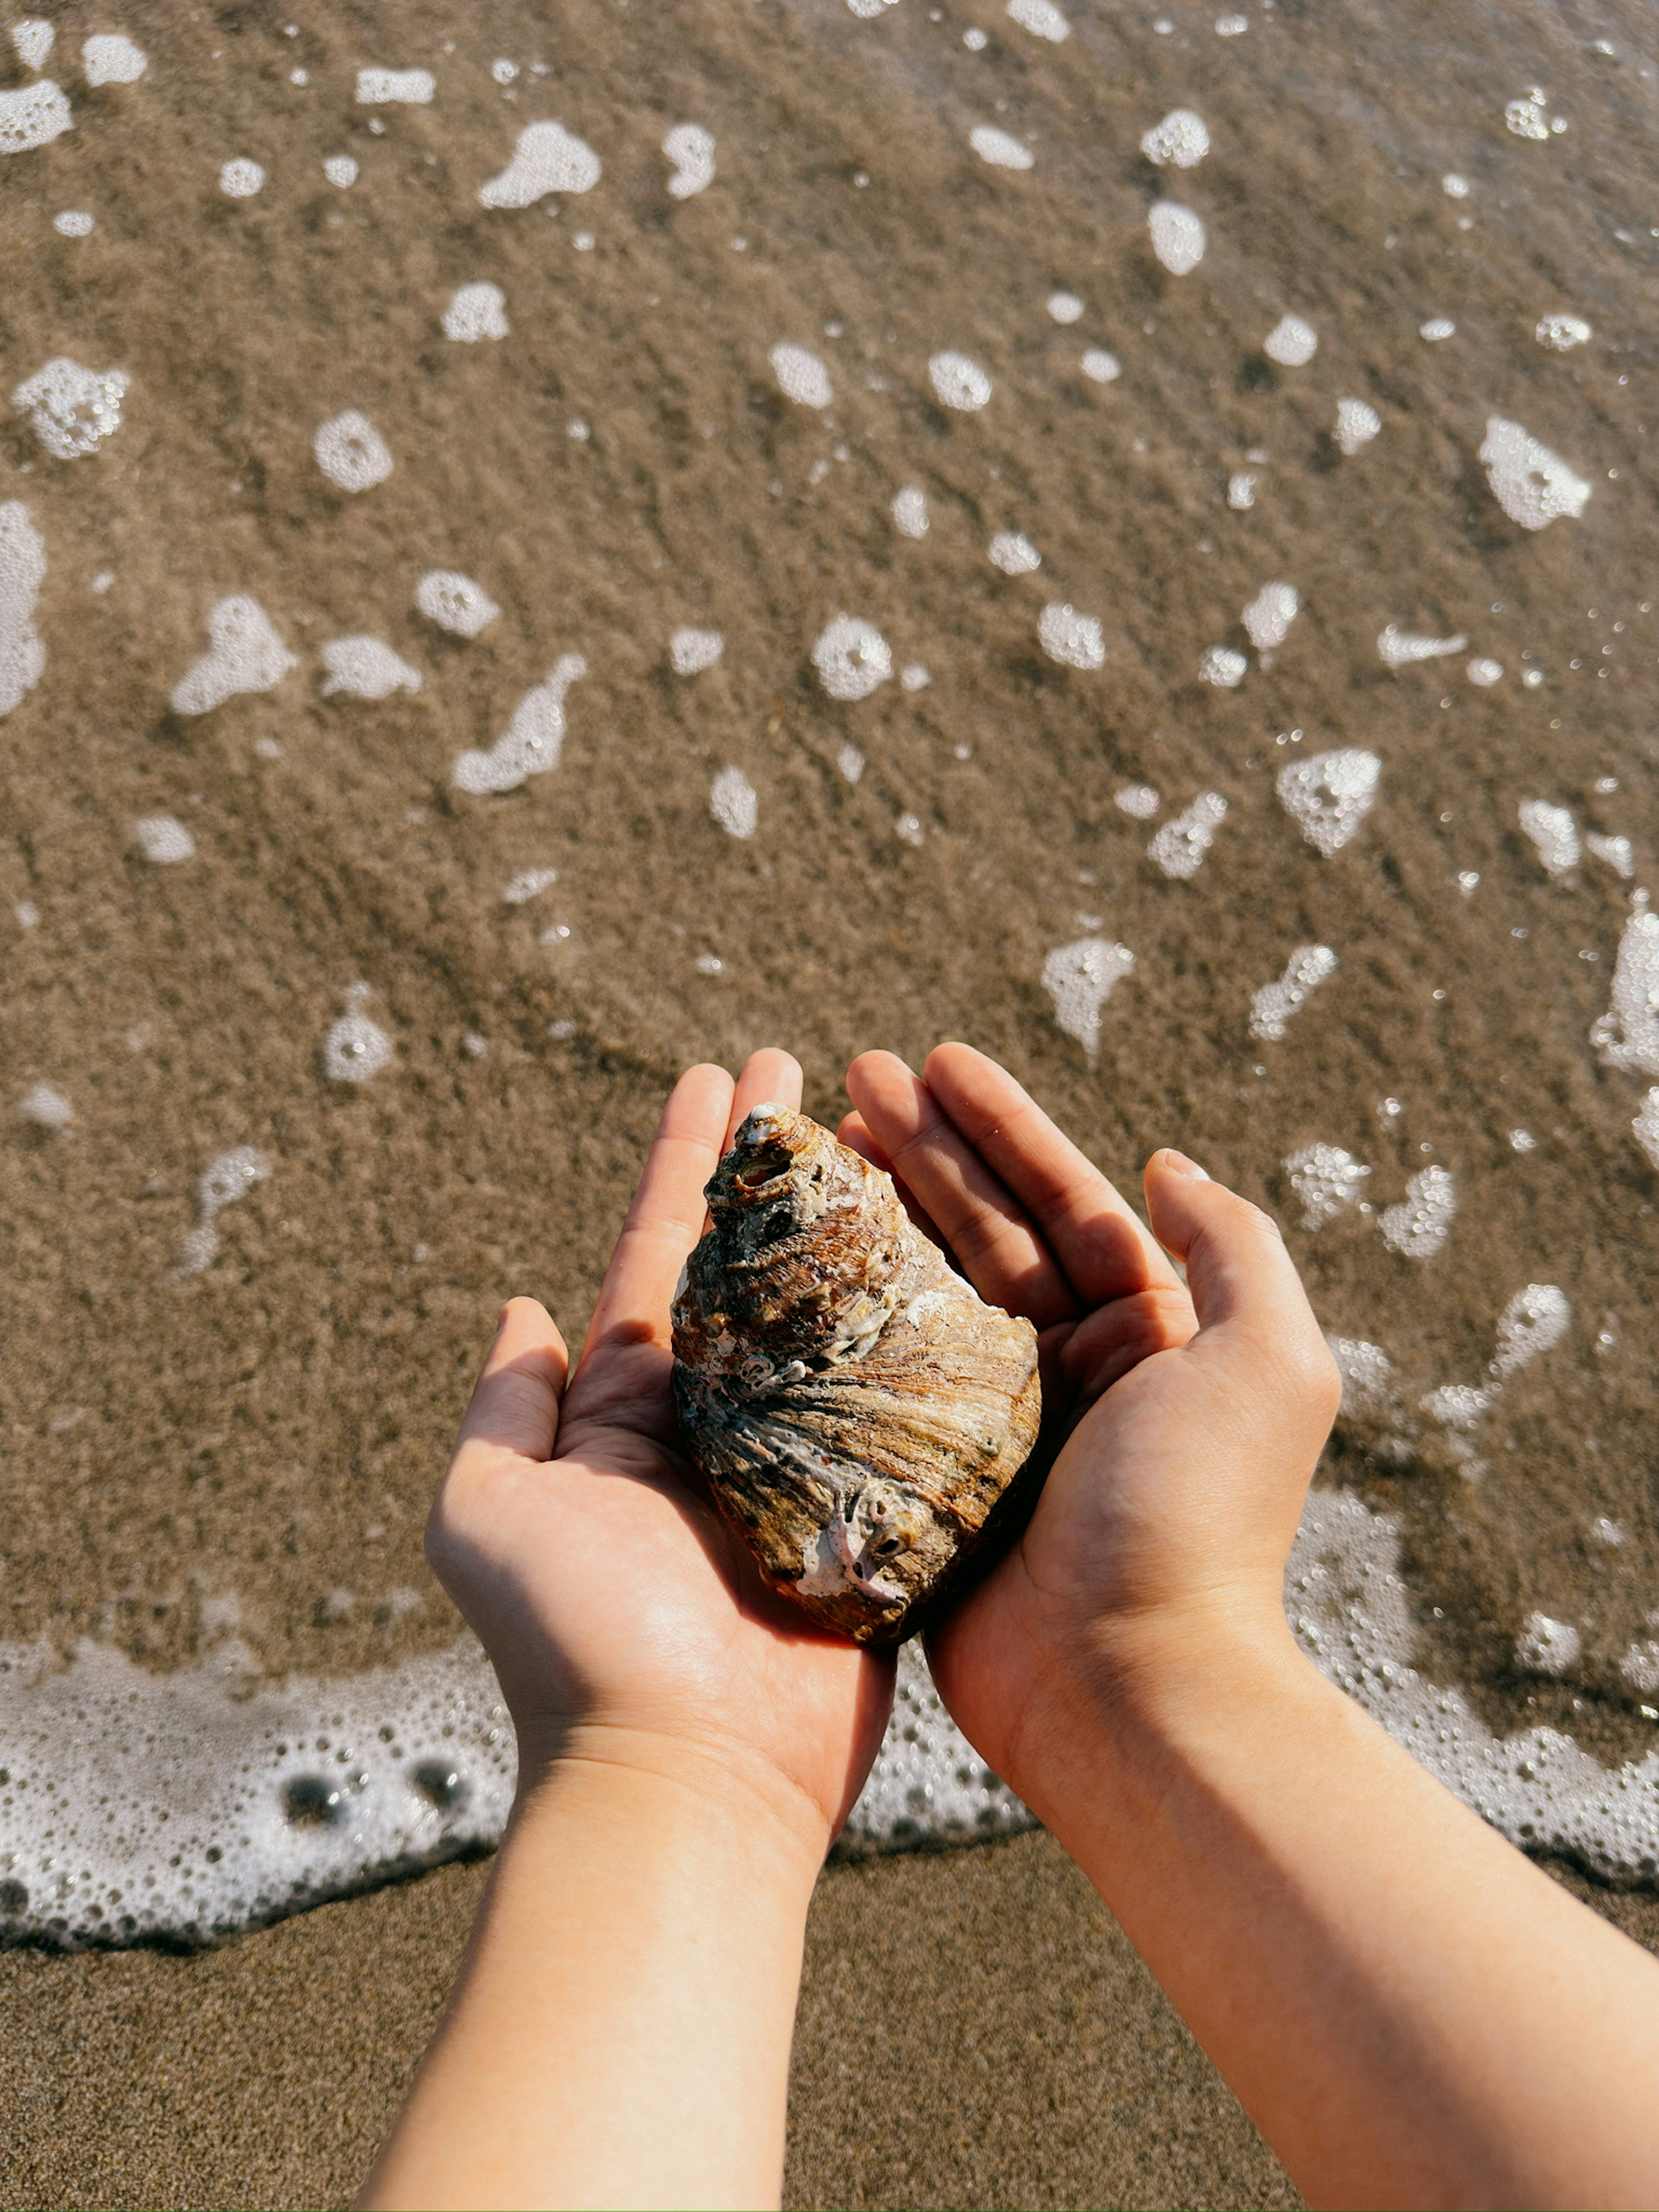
275	937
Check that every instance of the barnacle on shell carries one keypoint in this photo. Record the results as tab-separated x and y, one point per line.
856	1408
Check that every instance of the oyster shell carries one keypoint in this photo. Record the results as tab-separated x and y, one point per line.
856	1407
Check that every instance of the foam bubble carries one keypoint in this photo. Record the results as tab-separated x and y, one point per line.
1326	1178
387	88
1014	554
850	761
1397	650
1041	18
852	657
547	158
245	653
1241	490
355	1048
22	572
72	409
222	1182
1618	852
1533	485
351	452
1330	795
365	668
1180	142
914	676
240	178
1064	306
454	602
1000	149
32	39
340	169
1268	617
1101	367
1437	328
1072	638
1560	333
73	222
1418	1226
1177	236
1356	423
1454	187
1484	671
1080	978
111	57
691	150
530	885
1554	835
46	1108
1292	342
691	651
533	741
163	840
475	312
32	115
1138	800
1627	1035
1180	846
734	803
801	376
1273	1005
909	830
504	71
1221	666
958	382
909	511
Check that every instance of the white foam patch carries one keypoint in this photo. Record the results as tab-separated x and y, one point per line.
801	376
340	170
111	57
1395	649
1064	307
1627	1035
72	409
1485	671
1367	1374
355	1048
1553	833
365	668
1328	1179
1528	117
529	886
163	840
1073	640
1180	142
1274	1004
1137	800
1535	1321
1545	1646
1180	846
245	653
222	1182
1292	342
1080	978
691	150
1268	616
1356	423
1619	852
454	602
1454	187
351	452
1177	236
1560	333
909	511
1000	149
477	311
1437	328
33	38
1042	19
22	572
1101	367
1533	486
691	651
852	657
1014	554
914	676
1330	795
1418	1226
533	741
734	803
547	158
1241	490
240	178
958	382
850	761
1223	666
32	115
390	88
73	222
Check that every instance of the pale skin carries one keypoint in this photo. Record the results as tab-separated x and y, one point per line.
1411	2012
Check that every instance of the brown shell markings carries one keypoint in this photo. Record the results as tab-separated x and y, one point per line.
856	1407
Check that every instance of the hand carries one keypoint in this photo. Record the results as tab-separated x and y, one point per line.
1184	1428
623	1619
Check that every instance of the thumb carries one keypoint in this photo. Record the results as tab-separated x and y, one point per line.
515	1406
1242	1279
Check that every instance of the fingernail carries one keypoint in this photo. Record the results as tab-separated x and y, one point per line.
501	1320
1178	1164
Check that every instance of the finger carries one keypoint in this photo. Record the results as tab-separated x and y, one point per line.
515	1402
857	1139
770	1078
1090	1228
1001	1253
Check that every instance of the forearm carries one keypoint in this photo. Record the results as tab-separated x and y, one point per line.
620	2031
1411	2013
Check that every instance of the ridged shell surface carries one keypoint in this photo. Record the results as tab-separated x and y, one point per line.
857	1409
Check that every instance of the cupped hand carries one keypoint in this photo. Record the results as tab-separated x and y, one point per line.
623	1619
1183	1418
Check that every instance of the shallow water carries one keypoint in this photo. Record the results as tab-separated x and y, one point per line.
378	841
